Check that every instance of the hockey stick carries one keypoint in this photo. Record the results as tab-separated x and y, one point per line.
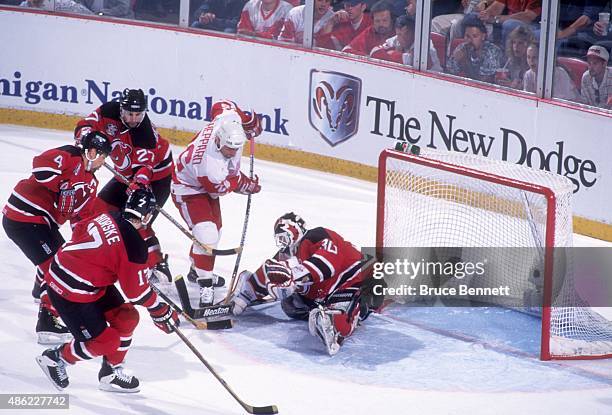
270	409
200	325
209	250
232	284
217	311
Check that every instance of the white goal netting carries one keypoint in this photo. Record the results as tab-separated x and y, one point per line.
457	207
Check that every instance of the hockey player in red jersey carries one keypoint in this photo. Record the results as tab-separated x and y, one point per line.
138	153
208	169
317	275
104	250
61	188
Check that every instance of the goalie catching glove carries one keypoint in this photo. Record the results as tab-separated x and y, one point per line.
164	317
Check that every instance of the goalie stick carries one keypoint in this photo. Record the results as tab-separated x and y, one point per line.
270	409
200	325
209	250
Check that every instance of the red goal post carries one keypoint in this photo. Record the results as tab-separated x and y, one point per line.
454	199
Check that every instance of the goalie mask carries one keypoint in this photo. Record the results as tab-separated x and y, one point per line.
228	129
140	205
288	232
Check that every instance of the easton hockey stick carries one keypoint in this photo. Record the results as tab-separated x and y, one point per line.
217	311
209	250
270	409
200	325
232	284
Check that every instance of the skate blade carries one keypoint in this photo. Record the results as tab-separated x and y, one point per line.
43	362
50	338
107	387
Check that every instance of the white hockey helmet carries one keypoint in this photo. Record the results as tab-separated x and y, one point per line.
289	230
228	128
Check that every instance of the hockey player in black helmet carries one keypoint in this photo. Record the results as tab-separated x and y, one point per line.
61	188
83	288
139	153
133	107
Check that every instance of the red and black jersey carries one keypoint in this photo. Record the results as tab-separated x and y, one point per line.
102	251
331	261
133	148
35	199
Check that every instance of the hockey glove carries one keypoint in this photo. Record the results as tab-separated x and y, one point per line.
141	180
280	282
164	317
248	186
252	127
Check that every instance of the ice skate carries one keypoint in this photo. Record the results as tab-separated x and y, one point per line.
50	329
321	325
54	367
114	379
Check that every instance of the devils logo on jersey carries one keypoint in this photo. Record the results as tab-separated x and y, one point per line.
334	105
120	154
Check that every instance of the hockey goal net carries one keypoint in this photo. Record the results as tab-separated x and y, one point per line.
481	209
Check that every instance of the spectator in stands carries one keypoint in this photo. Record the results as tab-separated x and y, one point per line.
346	25
450	25
563	87
68	6
377	33
516	55
476	57
114	8
518	12
400	48
293	29
263	18
596	86
575	29
219	15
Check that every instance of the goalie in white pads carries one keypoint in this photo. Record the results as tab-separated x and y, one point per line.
208	169
317	275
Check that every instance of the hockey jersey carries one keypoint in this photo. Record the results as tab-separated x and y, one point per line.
102	251
293	30
35	199
132	148
363	43
201	168
255	22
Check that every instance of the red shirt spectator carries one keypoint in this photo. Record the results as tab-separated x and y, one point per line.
377	33
293	30
348	23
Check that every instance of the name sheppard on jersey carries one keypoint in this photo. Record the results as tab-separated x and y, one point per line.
35	91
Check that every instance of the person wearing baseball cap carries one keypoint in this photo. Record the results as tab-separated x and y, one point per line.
596	88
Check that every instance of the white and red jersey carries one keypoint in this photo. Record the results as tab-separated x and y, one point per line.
293	30
132	148
35	199
201	168
102	251
255	21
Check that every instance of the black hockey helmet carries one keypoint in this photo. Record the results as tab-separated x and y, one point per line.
133	100
289	230
97	140
139	205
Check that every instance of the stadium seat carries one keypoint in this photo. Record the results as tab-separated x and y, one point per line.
439	42
575	68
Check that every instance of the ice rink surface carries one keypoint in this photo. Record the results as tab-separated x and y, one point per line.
406	361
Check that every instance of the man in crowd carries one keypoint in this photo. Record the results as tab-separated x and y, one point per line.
263	18
596	87
377	33
345	26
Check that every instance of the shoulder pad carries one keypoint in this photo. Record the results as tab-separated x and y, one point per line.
110	110
315	235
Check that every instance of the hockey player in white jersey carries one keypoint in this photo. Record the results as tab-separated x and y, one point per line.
208	169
